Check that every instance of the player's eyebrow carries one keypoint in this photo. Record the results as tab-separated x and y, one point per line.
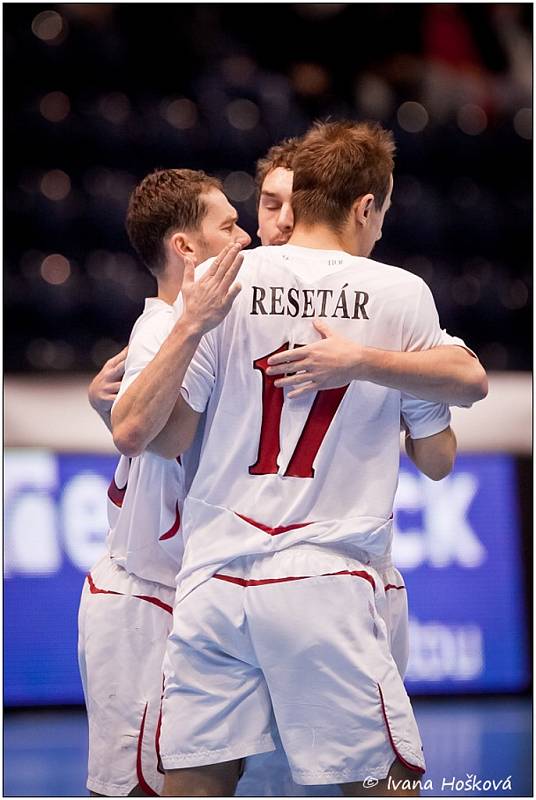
231	218
271	195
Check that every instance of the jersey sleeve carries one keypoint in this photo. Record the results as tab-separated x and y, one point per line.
455	341
422	417
422	330
200	377
145	342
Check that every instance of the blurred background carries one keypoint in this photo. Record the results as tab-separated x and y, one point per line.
96	96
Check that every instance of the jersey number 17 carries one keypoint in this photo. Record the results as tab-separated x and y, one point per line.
318	421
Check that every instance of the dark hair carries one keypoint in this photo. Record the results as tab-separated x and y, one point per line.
165	201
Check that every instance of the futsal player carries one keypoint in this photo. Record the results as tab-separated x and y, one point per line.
331	360
279	609
174	216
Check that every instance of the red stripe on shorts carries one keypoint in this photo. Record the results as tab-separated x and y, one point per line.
403	761
154	600
144	786
273	531
157	742
246	583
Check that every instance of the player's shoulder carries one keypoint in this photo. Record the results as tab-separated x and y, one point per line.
260	259
156	315
396	277
394	273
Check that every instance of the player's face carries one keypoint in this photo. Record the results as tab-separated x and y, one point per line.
374	228
276	219
218	229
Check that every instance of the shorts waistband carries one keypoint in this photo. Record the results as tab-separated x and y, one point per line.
379	563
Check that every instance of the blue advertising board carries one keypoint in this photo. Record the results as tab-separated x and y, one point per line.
457	543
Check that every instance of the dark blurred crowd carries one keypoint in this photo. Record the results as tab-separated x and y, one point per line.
97	95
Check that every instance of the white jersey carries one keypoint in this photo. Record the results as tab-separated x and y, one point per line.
146	496
322	467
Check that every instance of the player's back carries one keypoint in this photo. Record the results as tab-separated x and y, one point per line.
322	467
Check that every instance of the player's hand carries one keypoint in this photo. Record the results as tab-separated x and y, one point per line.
105	385
208	300
327	364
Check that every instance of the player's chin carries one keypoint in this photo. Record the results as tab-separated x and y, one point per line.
279	240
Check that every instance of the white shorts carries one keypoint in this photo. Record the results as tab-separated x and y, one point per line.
295	639
395	611
123	624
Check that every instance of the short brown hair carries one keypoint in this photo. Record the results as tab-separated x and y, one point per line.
337	162
280	155
165	201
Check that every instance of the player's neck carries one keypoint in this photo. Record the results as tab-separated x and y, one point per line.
169	284
321	237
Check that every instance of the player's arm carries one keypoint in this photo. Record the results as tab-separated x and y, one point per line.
445	374
433	455
141	413
178	433
105	385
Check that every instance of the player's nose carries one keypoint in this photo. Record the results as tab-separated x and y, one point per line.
285	219
242	237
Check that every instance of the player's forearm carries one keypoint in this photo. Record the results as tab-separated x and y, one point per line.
433	455
445	374
141	413
178	433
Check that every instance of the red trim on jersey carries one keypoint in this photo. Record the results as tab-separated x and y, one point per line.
403	761
154	600
139	770
246	583
95	590
174	528
273	531
392	586
115	494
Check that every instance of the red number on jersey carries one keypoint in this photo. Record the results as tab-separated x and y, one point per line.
272	407
318	421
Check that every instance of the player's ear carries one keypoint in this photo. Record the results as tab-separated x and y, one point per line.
362	208
180	245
